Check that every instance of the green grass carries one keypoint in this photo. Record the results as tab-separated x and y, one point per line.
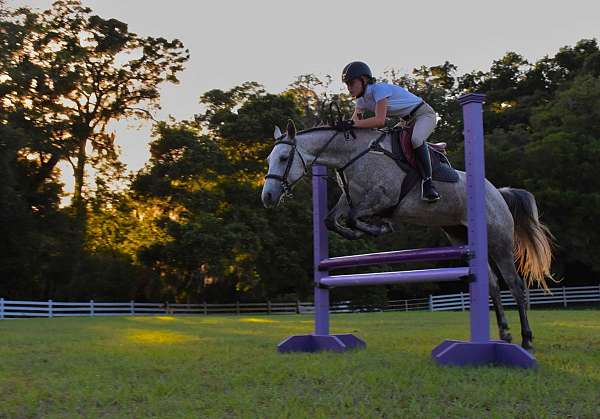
189	367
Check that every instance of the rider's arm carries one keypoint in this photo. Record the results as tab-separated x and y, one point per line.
376	121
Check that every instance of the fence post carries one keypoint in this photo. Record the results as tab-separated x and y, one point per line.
1	308
50	308
297	306
132	307
564	296
237	308
430	302
205	309
462	301
405	305
268	306
92	308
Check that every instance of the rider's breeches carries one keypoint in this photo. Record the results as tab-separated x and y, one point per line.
425	121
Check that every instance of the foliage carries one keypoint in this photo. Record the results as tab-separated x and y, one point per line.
190	225
66	74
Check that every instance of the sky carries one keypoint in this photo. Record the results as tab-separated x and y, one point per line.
274	41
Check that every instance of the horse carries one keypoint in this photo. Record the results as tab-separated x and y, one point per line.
519	245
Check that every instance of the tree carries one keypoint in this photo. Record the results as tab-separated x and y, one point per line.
542	134
67	73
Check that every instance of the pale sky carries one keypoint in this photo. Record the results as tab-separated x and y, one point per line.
274	41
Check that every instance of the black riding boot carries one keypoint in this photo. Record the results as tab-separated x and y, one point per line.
428	192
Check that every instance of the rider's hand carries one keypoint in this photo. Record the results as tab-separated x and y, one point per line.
344	125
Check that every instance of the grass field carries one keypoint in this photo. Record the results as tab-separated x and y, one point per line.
193	367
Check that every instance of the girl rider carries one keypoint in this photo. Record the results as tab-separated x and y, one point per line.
390	100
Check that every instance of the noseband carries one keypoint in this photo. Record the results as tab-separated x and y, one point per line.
286	187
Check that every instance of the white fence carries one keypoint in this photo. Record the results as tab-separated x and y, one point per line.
562	296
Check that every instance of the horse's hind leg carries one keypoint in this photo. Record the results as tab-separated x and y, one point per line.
498	308
508	272
458	236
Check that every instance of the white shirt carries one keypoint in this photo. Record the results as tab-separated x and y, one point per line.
400	101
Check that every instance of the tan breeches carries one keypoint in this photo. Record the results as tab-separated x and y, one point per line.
425	121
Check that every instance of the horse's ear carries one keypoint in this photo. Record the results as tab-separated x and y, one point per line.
277	132
291	129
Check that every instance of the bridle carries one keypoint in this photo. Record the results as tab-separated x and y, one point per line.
286	187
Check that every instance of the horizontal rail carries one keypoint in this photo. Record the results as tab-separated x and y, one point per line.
404	277
26	314
6	308
411	255
32	303
149	310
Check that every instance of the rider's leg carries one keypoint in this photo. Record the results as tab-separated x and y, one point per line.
425	121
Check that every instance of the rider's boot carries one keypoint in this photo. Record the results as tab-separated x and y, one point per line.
428	192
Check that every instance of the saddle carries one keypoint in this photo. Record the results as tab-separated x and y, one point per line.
441	168
403	155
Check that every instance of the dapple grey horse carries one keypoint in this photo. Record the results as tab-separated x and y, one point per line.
515	233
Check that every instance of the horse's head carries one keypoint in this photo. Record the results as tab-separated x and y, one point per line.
286	167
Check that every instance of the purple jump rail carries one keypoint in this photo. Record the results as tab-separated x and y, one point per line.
479	350
401	277
396	256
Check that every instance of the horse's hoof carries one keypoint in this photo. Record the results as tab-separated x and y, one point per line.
527	345
506	337
387	228
527	339
329	223
350	236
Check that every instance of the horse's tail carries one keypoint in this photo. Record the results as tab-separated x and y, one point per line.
533	240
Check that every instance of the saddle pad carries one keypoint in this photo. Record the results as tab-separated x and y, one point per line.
441	169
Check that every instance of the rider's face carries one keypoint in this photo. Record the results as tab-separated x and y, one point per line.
355	87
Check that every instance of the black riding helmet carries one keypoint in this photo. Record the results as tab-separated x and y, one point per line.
355	70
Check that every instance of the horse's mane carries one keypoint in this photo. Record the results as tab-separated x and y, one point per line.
328	127
316	128
320	128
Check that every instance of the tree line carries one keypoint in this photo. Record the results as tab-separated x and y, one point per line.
190	226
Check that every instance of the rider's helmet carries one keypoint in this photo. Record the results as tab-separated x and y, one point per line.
355	70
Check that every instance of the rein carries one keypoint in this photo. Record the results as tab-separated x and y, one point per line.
286	187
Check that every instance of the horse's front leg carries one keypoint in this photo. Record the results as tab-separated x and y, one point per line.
386	226
332	221
373	203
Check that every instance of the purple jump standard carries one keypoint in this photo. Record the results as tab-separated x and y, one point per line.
479	349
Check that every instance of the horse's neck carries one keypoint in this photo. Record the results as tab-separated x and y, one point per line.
339	151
